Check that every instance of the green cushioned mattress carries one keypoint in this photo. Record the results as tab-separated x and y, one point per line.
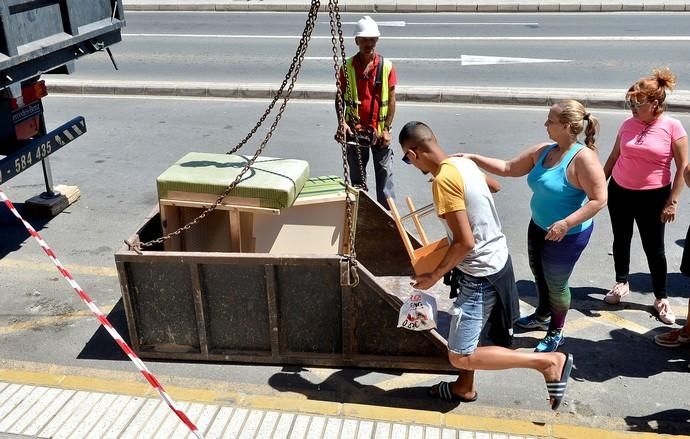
274	182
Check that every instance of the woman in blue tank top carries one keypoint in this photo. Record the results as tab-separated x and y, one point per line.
569	188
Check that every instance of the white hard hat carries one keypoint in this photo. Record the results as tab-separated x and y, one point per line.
367	27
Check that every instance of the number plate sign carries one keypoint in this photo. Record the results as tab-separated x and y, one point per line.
31	154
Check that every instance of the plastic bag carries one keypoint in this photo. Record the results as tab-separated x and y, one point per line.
418	312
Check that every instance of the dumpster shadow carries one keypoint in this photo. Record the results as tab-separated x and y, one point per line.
13	234
673	421
101	345
343	386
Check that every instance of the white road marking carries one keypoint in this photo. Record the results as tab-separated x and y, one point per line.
478	60
464	60
447	23
380	23
609	38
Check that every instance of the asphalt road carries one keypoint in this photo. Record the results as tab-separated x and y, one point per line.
621	380
576	50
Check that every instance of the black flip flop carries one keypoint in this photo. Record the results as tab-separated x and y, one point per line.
557	388
444	392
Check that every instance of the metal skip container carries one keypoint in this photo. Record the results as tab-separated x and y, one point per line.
273	307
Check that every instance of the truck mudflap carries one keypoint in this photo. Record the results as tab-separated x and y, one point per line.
278	309
38	149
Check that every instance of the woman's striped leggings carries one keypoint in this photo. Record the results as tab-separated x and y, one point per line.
552	263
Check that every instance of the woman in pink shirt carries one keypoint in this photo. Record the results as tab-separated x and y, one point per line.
642	189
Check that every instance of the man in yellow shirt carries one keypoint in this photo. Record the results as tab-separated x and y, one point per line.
479	250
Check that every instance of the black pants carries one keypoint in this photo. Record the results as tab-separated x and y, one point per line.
642	207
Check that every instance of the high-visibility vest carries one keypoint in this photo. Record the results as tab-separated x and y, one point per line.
352	101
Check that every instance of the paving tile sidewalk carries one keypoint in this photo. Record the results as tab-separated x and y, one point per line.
413	5
49	412
36	411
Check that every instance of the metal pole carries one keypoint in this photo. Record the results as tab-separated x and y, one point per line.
45	163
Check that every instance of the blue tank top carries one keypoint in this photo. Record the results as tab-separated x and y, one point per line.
554	198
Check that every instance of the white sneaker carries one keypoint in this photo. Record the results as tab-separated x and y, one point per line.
663	308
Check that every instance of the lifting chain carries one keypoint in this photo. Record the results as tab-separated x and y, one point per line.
338	41
290	76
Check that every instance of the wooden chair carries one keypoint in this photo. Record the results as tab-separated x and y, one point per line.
426	258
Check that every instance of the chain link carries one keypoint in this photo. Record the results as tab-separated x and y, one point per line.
336	27
290	76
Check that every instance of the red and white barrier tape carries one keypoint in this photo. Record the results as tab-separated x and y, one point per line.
104	321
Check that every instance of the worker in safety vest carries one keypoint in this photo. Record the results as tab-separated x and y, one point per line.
369	110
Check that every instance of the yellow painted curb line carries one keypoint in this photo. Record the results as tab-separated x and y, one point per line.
508	426
301	405
391	414
47	266
51	320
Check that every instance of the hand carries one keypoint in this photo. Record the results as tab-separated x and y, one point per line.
342	132
668	214
386	137
466	155
424	281
557	231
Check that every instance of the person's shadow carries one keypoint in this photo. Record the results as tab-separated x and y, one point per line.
624	354
673	421
343	386
589	300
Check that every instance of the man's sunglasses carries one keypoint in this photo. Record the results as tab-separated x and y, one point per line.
405	158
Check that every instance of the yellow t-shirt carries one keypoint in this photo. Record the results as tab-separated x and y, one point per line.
461	185
448	190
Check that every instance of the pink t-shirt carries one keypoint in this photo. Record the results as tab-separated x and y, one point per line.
646	152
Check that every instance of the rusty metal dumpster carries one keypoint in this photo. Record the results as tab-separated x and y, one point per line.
277	309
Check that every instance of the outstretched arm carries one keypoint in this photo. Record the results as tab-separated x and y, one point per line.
515	167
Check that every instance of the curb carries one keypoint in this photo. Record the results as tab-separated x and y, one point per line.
406	6
603	98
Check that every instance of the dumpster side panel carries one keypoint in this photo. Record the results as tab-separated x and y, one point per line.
310	308
377	332
237	307
262	308
377	241
163	301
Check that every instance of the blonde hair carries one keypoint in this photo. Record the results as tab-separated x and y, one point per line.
575	115
653	88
